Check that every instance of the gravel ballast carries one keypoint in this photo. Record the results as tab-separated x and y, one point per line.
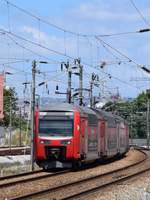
131	157
137	188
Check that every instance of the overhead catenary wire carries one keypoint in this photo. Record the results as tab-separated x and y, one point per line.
108	50
27	60
33	52
39	75
70	57
103	35
116	50
34	43
122	54
118	60
109	75
14	62
63	29
51	79
59	53
39	42
32	15
140	13
13	58
39	18
29	73
46	48
100	83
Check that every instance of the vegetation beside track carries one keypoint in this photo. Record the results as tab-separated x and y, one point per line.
133	111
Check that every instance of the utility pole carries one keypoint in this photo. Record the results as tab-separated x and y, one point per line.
80	83
147	119
94	81
69	85
94	101
20	123
33	93
10	123
33	114
80	74
91	94
69	70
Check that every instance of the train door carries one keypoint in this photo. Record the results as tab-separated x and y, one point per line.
83	137
122	137
127	137
102	138
92	143
118	138
99	138
106	135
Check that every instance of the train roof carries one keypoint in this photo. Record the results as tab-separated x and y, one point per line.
107	115
98	113
58	107
54	107
118	118
111	118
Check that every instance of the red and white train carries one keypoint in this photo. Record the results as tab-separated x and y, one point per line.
67	136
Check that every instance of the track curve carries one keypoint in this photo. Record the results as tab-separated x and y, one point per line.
79	188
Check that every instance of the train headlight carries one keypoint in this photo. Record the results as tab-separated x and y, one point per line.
65	142
78	127
44	142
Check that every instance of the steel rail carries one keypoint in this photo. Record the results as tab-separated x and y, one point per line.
19	175
57	188
24	179
98	188
14	151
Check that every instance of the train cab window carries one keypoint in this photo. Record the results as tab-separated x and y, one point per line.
58	128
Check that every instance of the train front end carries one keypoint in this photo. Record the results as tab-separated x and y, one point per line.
56	140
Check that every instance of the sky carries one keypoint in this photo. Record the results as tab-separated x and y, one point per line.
90	18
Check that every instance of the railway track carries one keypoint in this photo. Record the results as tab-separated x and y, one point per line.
77	189
19	175
5	151
27	177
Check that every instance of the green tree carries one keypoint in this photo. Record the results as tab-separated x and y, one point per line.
134	112
10	104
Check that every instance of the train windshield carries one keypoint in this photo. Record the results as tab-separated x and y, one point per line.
55	127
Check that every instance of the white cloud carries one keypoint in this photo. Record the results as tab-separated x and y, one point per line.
57	43
91	11
35	33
